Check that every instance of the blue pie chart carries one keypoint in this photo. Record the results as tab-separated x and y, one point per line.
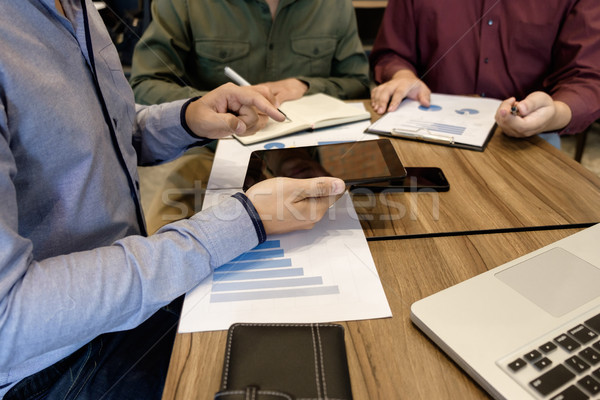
274	145
464	111
432	107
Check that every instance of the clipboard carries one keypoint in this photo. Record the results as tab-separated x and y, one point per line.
465	122
425	135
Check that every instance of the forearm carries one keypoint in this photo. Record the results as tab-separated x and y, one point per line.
63	302
561	118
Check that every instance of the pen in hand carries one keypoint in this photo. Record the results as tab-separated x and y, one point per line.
237	78
514	110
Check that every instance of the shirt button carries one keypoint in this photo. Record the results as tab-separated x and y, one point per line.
482	94
490	22
486	60
271	46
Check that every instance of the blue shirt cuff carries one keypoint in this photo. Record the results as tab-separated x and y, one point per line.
258	225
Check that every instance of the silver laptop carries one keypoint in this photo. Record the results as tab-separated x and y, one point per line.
529	329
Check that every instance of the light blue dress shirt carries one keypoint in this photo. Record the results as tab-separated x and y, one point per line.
73	264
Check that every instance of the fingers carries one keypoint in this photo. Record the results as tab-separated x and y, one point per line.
504	110
381	95
512	124
424	96
286	204
534	101
204	121
230	109
258	96
250	119
397	98
388	96
320	187
534	114
267	92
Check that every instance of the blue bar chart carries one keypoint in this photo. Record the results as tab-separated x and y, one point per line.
265	273
436	127
323	274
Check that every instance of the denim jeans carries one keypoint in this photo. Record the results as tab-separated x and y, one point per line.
121	365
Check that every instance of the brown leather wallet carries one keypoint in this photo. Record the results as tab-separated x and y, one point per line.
285	361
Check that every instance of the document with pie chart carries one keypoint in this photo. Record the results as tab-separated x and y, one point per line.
459	121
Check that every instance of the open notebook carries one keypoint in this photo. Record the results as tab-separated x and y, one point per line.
307	113
528	329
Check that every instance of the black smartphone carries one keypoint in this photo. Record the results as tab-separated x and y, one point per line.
417	178
355	162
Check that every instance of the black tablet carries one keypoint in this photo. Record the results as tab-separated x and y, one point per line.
354	162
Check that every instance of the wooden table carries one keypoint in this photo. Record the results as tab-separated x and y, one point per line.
388	358
513	185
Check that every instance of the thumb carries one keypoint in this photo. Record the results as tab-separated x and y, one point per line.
524	106
533	102
322	186
233	123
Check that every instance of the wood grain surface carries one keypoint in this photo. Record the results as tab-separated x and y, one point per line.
514	184
388	358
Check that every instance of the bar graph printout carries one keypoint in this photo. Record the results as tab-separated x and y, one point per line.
463	121
322	275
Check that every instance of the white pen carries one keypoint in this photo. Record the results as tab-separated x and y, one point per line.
237	78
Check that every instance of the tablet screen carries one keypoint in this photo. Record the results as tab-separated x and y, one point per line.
353	162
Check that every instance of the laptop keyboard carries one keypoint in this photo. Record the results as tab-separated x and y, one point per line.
562	366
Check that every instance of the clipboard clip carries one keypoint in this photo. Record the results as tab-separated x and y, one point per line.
422	134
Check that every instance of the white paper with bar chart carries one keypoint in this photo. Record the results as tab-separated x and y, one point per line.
321	275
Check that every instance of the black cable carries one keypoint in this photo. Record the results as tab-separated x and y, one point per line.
481	232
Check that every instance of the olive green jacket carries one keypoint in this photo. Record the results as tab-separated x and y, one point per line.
184	50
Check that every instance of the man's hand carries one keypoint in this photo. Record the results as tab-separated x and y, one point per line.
403	84
286	204
286	89
537	113
230	109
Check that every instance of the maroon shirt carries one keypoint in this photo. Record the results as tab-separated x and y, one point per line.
497	48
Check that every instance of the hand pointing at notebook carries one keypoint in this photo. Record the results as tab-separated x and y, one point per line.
231	109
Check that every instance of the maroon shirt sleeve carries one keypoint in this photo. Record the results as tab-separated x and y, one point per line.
395	44
575	76
497	49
